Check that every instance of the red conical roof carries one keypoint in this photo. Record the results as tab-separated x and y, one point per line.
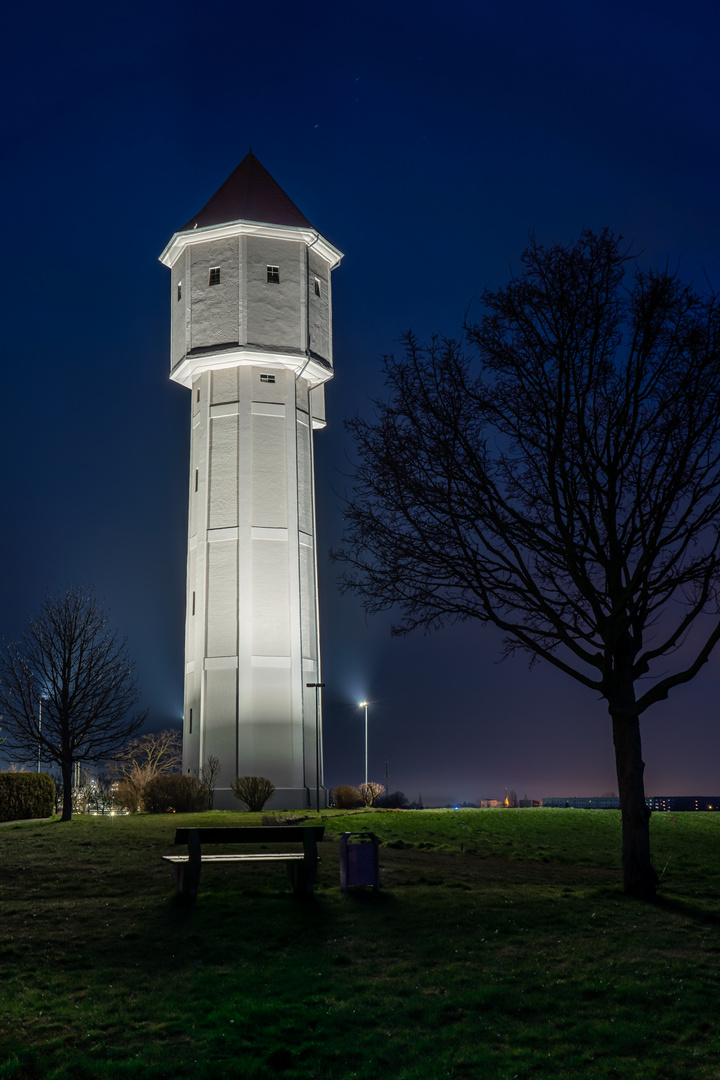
248	194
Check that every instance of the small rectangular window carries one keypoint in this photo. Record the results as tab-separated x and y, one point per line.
317	286
196	479
273	275
193	604
267	378
198	394
214	275
179	290
190	732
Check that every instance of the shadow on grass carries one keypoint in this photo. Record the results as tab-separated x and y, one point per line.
361	897
687	911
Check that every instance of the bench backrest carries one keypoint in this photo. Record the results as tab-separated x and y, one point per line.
251	834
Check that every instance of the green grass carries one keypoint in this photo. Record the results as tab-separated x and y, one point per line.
500	946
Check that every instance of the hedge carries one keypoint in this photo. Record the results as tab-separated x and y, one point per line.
26	795
166	793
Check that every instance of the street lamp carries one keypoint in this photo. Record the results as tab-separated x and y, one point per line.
40	701
317	686
364	705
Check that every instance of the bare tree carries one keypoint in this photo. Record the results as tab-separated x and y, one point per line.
371	792
208	776
135	764
148	754
565	487
68	659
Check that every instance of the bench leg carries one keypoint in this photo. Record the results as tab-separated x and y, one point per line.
187	875
302	881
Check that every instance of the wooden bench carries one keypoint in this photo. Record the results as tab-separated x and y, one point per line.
301	865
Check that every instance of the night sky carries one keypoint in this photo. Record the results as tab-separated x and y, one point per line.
426	141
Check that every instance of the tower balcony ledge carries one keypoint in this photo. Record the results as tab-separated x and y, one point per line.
316	369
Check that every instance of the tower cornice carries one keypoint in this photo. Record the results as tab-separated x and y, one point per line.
310	237
313	368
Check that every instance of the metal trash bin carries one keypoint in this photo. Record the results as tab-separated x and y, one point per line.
359	860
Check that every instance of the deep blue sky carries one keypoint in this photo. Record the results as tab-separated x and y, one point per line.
426	141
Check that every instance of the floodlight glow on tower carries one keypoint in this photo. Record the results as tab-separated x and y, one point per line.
251	317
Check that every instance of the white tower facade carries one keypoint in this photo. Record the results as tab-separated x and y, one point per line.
252	340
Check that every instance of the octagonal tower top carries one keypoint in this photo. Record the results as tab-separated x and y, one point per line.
251	284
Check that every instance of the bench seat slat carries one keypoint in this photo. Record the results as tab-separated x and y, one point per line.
269	856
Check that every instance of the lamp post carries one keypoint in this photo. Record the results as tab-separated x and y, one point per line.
43	697
364	705
317	686
39	731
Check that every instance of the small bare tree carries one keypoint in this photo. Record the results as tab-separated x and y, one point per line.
208	776
371	792
564	486
68	660
135	765
153	752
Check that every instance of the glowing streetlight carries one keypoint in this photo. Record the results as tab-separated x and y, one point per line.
364	705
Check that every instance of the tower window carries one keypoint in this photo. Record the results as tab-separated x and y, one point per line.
193	604
273	275
214	275
267	378
317	286
179	290
190	731
196	479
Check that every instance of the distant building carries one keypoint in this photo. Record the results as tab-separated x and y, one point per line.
683	802
594	802
655	802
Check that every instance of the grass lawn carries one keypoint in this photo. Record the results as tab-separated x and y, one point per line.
500	947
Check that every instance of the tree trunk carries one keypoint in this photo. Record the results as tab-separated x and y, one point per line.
67	777
639	877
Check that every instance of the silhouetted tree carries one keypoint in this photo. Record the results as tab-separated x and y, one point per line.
153	752
69	658
564	486
395	800
141	759
208	776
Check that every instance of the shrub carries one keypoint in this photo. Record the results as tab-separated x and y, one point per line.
26	795
127	794
346	797
254	791
166	792
396	800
